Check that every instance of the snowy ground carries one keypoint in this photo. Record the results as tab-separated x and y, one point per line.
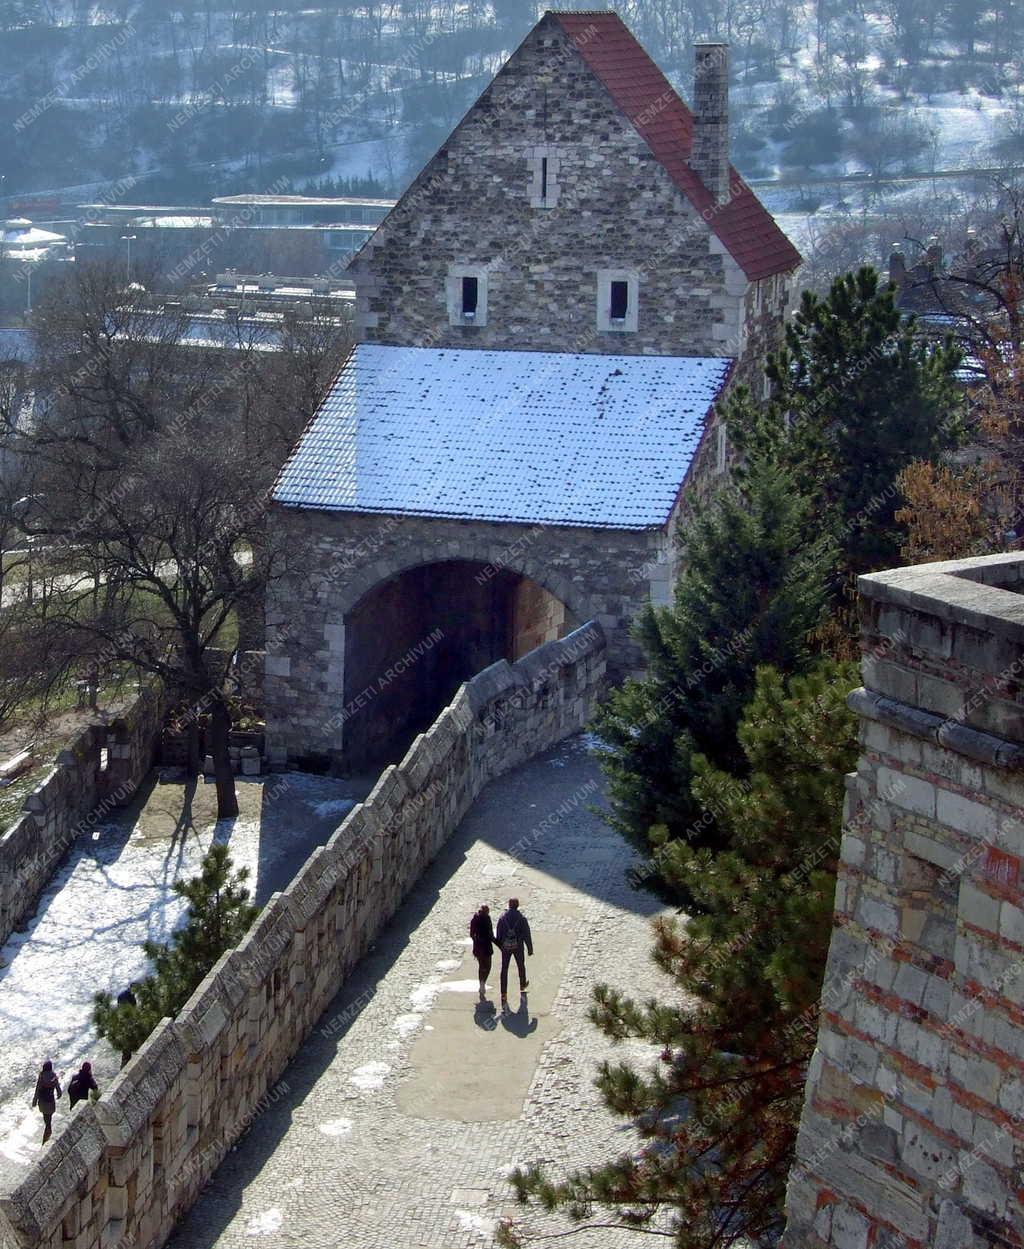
115	892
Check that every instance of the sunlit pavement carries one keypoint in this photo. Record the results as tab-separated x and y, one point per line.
399	1120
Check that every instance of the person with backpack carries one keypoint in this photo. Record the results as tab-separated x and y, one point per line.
481	929
513	934
45	1097
81	1084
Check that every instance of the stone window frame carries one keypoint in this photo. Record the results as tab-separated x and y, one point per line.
535	158
605	278
453	295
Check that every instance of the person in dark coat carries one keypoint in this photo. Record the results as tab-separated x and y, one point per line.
482	931
81	1084
45	1097
513	935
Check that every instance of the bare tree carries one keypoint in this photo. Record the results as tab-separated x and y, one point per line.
151	462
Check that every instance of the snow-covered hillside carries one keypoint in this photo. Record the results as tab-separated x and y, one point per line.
216	97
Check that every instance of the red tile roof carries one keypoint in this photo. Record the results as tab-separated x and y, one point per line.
642	92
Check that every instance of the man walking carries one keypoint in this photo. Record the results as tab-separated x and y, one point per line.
482	931
513	934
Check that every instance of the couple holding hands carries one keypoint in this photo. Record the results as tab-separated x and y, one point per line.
512	938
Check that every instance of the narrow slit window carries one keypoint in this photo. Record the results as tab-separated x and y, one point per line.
470	295
619	300
544	178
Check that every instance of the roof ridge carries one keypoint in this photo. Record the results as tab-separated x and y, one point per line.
643	94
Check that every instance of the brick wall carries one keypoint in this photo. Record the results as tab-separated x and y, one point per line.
128	1166
71	799
913	1127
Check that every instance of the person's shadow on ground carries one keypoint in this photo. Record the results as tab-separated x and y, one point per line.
519	1022
484	1016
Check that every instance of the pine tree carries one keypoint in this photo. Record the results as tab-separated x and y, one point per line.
719	1112
753	589
219	915
858	394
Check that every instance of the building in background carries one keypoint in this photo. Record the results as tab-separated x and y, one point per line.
548	318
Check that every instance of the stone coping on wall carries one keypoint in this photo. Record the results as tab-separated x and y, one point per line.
127	1167
985	592
948	639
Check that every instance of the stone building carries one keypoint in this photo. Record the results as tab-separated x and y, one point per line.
546	320
912	1133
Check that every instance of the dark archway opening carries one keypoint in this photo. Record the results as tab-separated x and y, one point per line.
413	640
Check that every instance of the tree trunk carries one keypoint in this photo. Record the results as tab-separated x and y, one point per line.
220	727
193	763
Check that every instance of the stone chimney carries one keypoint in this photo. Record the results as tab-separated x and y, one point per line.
897	265
709	157
934	254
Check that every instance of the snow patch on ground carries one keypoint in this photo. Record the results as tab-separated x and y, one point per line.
370	1076
460	986
406	1025
336	1127
481	1226
333	806
265	1224
422	997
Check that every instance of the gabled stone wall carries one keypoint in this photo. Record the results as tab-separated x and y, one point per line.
913	1127
98	771
128	1166
616	209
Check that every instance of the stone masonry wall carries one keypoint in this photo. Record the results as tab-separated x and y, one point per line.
913	1126
598	573
616	209
73	797
128	1166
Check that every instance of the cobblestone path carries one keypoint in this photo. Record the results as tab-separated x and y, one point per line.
397	1123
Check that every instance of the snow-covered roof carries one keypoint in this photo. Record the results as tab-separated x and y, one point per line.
527	436
28	235
176	222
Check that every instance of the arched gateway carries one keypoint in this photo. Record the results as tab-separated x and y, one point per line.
427	542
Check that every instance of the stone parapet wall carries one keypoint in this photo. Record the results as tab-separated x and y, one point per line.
913	1127
128	1166
98	771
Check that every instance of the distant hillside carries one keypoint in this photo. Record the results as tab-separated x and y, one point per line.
210	97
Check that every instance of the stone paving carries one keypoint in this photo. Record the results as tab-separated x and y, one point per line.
398	1121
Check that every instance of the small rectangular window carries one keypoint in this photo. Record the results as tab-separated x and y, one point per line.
619	300
470	295
544	178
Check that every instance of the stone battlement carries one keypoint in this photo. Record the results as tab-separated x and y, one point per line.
913	1125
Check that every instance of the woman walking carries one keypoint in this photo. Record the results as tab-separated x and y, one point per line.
81	1084
45	1097
482	932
